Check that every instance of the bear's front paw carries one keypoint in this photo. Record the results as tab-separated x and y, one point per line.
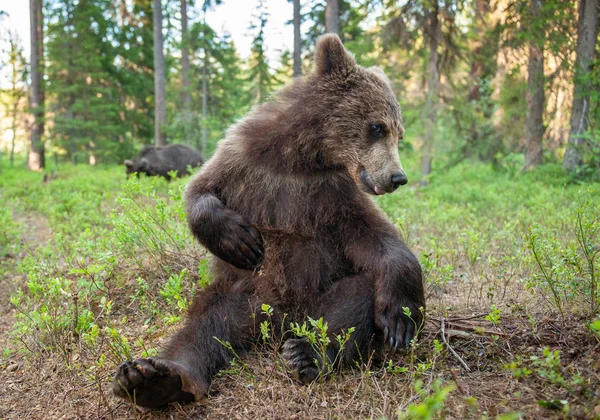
150	383
239	243
398	322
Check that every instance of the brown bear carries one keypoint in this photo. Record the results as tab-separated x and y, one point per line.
284	207
160	160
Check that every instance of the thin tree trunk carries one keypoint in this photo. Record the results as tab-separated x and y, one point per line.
122	96
297	40
160	112
433	83
204	105
16	97
534	124
36	157
186	99
72	133
14	132
332	17
586	43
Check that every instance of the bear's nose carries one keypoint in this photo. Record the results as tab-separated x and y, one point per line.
399	178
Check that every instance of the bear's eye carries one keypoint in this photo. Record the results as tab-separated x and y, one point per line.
376	131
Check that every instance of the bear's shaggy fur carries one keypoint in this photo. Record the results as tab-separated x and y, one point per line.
283	206
160	160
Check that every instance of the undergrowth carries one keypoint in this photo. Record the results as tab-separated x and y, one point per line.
104	268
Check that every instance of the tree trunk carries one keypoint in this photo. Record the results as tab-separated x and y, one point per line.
297	40
586	43
14	53
186	99
36	157
204	104
160	112
14	132
534	124
433	83
332	17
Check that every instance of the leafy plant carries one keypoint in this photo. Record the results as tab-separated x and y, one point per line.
316	334
432	401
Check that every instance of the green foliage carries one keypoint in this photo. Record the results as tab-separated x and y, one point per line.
153	234
569	271
432	401
549	368
9	235
316	334
595	327
494	315
106	231
84	90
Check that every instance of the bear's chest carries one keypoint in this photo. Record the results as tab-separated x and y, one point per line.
302	206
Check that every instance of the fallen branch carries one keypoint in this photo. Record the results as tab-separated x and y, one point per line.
475	329
466	318
462	362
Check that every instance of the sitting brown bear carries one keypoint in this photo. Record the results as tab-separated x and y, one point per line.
283	205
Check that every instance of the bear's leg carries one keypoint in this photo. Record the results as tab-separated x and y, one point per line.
349	303
185	369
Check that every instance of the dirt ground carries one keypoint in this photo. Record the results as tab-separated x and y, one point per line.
473	358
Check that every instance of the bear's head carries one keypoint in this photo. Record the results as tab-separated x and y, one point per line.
363	124
141	163
136	165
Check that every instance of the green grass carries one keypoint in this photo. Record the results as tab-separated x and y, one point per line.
101	268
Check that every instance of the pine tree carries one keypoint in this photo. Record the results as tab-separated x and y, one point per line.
83	90
134	74
260	74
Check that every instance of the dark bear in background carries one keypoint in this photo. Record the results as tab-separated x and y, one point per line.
284	207
160	160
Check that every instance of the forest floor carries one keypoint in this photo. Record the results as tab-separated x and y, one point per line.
95	269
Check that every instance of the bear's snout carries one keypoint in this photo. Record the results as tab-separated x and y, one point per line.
399	178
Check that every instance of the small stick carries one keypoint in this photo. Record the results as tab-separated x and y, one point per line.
458	384
462	362
467	317
75	315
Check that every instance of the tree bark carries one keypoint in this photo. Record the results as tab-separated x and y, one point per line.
332	17
186	98
433	83
204	104
586	43
14	132
15	91
534	124
36	158
160	112
297	40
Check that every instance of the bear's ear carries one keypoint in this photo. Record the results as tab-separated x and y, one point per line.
332	57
